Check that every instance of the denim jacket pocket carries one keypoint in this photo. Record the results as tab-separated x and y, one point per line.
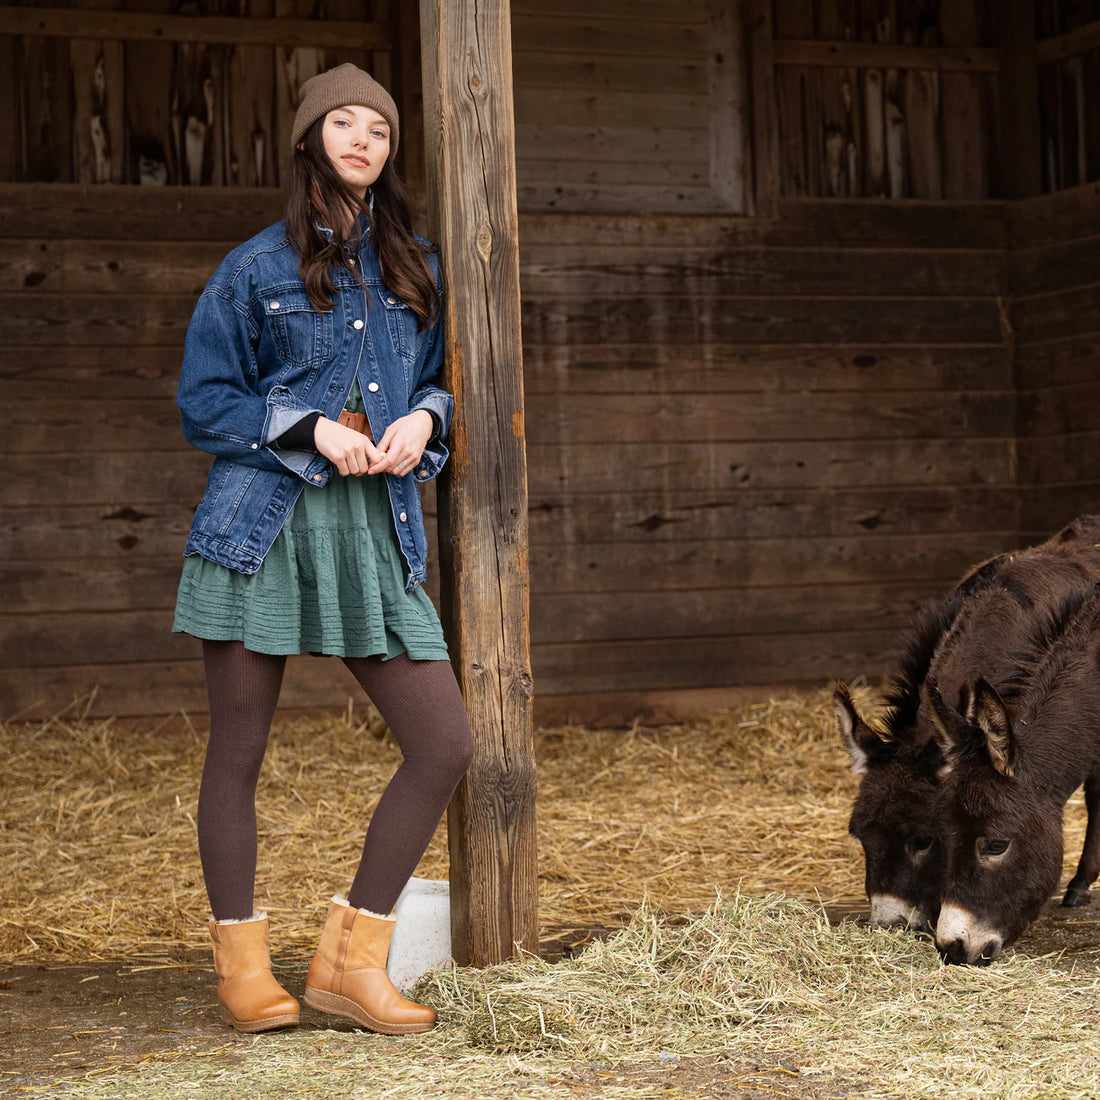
302	335
403	323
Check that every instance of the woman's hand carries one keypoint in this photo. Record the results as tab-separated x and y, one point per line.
351	452
403	443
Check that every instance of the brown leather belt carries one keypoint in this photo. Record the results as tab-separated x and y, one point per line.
357	422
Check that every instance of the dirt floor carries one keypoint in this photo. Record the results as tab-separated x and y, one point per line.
63	1026
114	994
66	1026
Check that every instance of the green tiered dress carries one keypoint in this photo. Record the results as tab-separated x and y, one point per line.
333	582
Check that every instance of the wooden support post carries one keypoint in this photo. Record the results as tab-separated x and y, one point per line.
470	152
727	86
1020	142
765	136
410	88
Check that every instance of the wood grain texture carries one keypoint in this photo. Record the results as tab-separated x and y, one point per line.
649	517
204	214
755	272
45	96
1045	220
136	687
590	319
99	102
864	557
469	130
1057	340
614	139
731	660
1019	143
208	30
852	442
10	93
151	372
1059	47
965	158
729	106
126	213
776	417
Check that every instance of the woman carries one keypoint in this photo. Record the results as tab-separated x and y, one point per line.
309	373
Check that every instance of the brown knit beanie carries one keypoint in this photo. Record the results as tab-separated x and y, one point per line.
341	87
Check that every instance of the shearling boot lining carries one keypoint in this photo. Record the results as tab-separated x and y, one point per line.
243	920
339	899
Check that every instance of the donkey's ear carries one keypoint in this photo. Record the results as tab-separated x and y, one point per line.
948	726
858	737
992	718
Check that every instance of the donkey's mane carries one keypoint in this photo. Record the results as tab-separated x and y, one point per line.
981	577
1056	640
919	646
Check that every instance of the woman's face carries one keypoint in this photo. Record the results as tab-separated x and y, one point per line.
357	141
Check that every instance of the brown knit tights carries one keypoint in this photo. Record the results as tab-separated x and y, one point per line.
423	707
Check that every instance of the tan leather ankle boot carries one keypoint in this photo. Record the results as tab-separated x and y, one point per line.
250	997
347	976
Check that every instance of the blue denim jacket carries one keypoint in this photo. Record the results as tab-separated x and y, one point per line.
258	358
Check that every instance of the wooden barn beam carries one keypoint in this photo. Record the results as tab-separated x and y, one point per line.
1061	47
1021	145
116	25
471	173
874	55
765	132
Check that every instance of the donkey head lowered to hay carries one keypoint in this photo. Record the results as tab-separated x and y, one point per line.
1007	774
894	813
980	630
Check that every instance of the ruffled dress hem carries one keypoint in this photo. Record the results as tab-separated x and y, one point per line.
332	584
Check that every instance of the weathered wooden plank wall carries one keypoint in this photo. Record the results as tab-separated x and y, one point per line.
1069	91
747	461
886	98
203	110
755	447
630	106
755	444
623	108
1055	320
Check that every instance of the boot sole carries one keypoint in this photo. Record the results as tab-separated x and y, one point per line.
271	1023
337	1005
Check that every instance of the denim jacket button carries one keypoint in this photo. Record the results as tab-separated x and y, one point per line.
402	517
317	477
255	446
357	323
422	472
373	387
274	305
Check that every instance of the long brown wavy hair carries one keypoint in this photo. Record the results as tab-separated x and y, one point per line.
316	194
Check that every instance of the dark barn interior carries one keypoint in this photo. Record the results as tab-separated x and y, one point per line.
811	320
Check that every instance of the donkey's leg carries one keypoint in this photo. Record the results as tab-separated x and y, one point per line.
1077	892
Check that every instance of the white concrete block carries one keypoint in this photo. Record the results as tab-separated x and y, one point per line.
422	935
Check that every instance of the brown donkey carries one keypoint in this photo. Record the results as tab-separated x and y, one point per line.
1008	772
980	630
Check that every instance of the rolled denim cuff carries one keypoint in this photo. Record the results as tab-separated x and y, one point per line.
299	436
281	418
437	402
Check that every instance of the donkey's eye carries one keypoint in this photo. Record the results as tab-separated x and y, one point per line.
918	845
988	849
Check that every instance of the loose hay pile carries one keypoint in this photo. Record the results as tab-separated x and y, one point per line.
750	984
99	857
99	861
773	976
